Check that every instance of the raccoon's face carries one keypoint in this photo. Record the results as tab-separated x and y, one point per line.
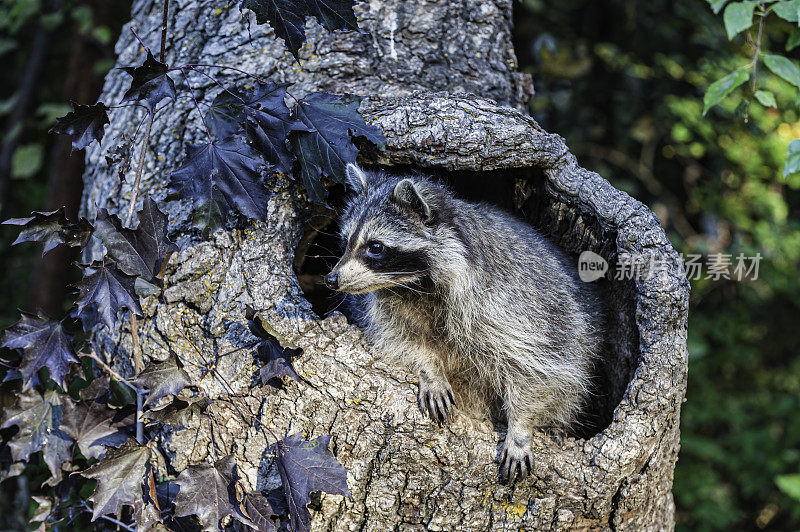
384	235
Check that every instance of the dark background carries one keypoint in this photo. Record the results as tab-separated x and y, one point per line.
622	81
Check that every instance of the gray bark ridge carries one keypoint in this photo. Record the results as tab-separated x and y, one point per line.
404	471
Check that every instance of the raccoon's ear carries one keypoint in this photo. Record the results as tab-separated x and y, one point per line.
355	177
406	193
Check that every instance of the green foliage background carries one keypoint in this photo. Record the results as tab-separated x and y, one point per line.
623	81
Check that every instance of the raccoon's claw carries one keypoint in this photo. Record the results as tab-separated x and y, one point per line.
516	459
436	400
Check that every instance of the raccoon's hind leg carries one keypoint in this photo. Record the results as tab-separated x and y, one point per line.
435	396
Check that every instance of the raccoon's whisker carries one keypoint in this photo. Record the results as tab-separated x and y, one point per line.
326	233
323	248
406	286
392	291
339	304
320	229
332	297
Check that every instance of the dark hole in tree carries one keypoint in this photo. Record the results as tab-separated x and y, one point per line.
521	192
318	251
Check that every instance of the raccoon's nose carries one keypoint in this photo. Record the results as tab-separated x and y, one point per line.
332	281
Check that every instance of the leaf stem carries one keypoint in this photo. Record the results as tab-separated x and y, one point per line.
754	62
138	366
164	26
124	105
215	80
248	74
139	414
138	363
111	519
133	30
292	96
196	104
108	369
757	49
135	192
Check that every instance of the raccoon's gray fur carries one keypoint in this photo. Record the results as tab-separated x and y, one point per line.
473	300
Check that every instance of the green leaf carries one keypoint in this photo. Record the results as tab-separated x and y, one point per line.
766	98
7	45
7	105
207	217
784	68
50	112
51	21
792	158
788	10
103	34
793	41
145	288
722	87
789	484
740	112
738	17
716	5
26	161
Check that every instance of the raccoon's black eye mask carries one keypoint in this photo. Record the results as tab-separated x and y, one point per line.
395	261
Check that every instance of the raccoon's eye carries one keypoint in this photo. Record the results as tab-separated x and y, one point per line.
375	248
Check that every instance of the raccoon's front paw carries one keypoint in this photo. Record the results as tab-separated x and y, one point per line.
516	458
436	399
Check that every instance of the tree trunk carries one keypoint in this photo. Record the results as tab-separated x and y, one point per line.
405	472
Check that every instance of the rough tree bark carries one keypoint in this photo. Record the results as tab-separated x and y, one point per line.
405	472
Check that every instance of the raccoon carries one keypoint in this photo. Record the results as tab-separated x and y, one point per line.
479	304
